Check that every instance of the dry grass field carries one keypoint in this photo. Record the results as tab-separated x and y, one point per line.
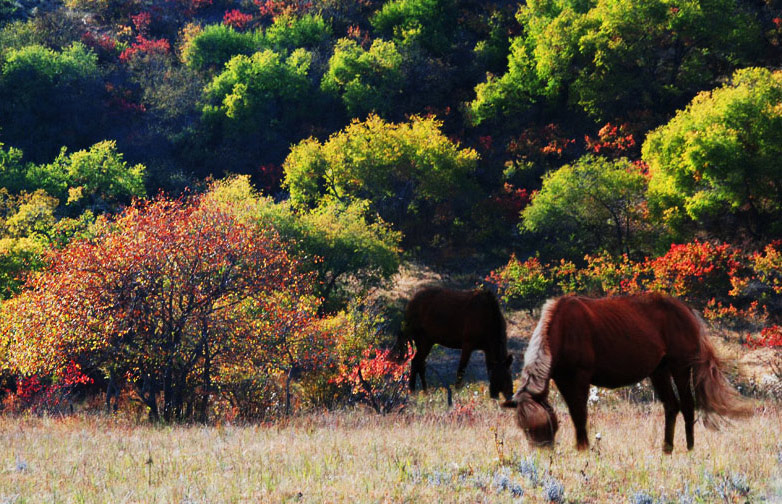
428	453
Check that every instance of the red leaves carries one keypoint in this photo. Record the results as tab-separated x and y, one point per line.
512	200
276	8
237	19
712	276
141	21
612	140
377	380
144	46
770	337
540	143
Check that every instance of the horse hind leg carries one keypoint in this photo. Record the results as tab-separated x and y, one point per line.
687	402
661	381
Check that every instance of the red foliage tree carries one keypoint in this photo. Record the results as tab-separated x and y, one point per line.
175	295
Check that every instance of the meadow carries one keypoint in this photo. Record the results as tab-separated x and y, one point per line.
472	452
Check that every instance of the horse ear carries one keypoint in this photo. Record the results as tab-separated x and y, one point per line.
510	403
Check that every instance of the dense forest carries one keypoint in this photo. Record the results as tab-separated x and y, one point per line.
197	195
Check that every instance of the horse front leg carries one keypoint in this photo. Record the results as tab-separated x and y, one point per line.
463	361
661	381
418	365
575	391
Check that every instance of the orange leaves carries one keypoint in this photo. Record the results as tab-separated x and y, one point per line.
164	289
729	284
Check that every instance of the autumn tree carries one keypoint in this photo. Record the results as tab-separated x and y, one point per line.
178	296
720	158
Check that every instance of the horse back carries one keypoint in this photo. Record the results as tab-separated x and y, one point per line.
452	318
621	340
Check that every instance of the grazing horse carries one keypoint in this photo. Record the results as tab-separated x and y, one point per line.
467	320
614	342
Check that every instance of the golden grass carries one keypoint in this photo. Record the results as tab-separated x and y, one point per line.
472	453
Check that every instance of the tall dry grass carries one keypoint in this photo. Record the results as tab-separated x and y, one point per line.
471	453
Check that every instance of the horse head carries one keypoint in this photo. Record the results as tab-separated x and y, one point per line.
536	418
500	379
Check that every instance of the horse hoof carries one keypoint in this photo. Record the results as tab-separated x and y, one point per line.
667	448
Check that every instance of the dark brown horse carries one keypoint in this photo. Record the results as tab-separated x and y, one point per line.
614	342
467	320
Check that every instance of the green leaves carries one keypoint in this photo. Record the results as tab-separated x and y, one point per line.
49	98
348	251
253	92
722	154
211	48
410	173
591	203
611	56
366	81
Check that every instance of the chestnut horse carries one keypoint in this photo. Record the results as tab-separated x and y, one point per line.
467	320
614	342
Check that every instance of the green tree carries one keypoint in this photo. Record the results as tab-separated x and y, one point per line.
211	48
722	157
98	177
50	98
428	23
610	56
411	174
366	81
591	204
259	92
347	252
289	32
13	170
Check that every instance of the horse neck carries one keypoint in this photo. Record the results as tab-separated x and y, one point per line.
538	359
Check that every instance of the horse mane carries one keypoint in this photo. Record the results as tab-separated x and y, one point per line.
537	358
500	325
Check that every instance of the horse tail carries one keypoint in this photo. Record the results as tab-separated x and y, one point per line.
715	396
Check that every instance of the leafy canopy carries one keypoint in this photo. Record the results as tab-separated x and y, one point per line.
589	204
259	92
410	173
366	80
428	23
722	155
50	98
210	48
95	177
608	56
347	252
